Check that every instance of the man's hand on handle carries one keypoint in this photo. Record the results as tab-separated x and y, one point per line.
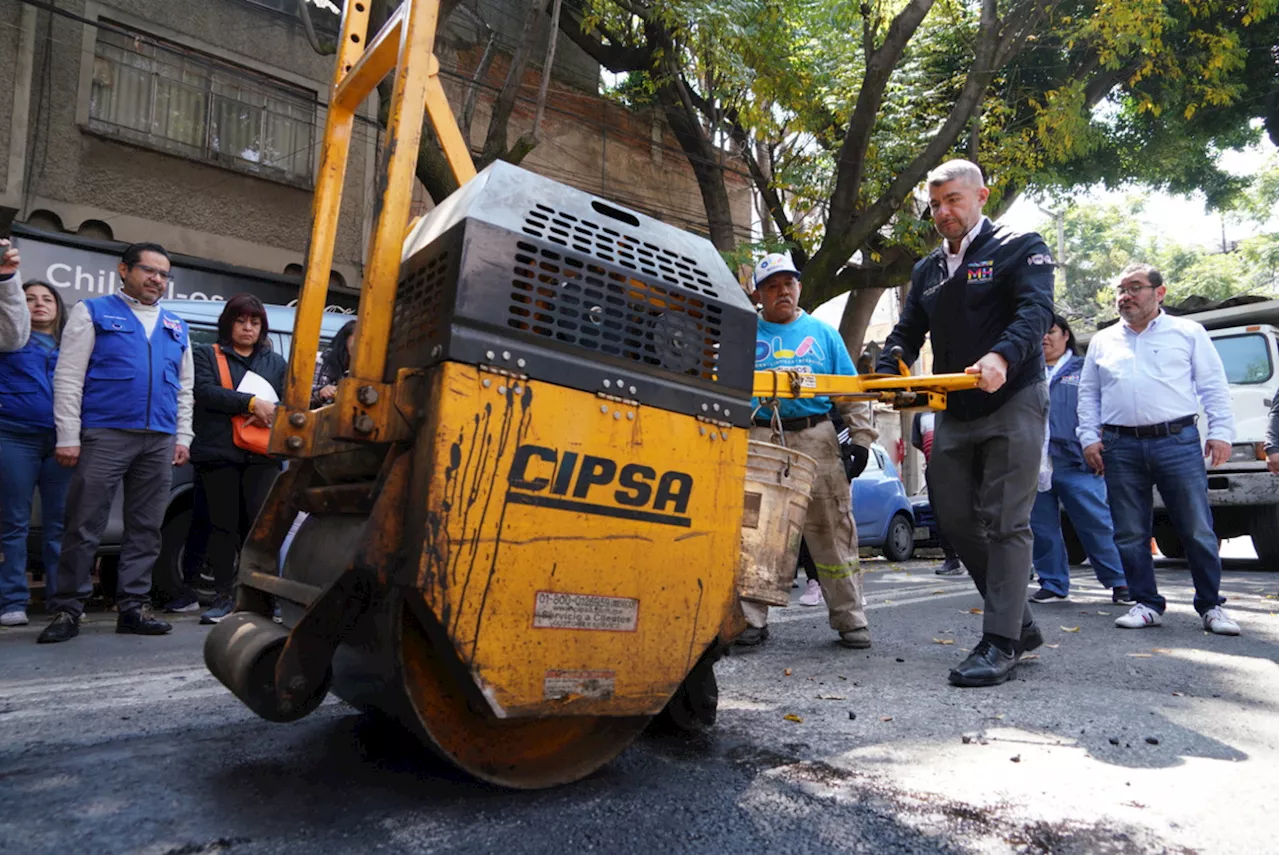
181	454
1273	462
992	371
67	455
1217	451
1093	457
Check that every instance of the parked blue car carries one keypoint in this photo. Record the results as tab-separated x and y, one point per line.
881	508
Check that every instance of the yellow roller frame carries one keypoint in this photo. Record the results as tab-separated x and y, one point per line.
366	407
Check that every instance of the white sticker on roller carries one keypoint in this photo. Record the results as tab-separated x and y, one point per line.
808	381
597	685
584	611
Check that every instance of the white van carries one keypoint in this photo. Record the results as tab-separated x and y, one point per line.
1242	493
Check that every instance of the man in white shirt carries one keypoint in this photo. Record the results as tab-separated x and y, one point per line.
1142	383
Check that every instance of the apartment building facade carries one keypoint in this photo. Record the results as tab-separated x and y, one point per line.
198	125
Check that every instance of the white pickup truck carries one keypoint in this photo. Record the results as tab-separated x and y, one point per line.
1242	493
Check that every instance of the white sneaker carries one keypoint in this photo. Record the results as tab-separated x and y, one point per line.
19	618
1139	617
1217	621
812	595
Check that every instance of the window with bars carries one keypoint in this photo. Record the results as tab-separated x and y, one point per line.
178	101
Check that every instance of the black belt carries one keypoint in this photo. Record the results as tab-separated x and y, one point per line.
1150	431
793	424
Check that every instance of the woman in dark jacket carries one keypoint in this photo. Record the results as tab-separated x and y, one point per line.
235	482
27	440
1071	486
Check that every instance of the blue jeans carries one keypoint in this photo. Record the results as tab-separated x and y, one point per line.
1175	465
26	462
1084	497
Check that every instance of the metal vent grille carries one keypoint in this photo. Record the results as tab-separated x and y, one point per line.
616	247
420	301
576	301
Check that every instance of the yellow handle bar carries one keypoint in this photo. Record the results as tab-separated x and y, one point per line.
897	389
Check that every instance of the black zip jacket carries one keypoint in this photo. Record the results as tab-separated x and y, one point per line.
1000	300
215	405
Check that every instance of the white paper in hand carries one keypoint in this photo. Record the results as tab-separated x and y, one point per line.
257	386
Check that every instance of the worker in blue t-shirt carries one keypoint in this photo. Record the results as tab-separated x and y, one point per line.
789	338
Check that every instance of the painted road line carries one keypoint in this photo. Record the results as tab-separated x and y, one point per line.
791	615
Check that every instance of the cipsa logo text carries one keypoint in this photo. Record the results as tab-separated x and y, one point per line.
589	484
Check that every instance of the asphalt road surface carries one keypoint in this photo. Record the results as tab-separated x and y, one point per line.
1112	741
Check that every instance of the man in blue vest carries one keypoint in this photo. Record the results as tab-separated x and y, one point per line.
122	400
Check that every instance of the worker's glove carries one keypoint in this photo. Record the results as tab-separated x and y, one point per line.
856	460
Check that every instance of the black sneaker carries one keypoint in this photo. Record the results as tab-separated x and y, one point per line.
951	567
65	626
141	621
221	607
1044	595
1120	596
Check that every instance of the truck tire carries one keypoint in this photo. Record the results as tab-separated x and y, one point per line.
899	540
1263	530
166	577
1167	539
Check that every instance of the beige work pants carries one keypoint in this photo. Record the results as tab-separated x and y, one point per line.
828	529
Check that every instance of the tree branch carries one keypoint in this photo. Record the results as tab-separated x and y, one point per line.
495	142
614	56
840	242
853	152
309	28
473	88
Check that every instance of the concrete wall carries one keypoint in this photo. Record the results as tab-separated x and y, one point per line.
64	174
589	142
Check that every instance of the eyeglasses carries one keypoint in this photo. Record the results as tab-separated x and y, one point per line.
155	271
1132	290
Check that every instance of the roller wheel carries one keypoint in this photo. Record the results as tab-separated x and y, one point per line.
693	707
242	651
520	753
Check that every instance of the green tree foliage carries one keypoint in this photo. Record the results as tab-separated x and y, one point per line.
1101	240
838	110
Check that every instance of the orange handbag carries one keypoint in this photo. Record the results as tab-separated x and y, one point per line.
250	437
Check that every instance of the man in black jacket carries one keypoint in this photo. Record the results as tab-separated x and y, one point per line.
985	297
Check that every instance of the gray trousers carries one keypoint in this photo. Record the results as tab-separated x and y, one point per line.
144	462
982	477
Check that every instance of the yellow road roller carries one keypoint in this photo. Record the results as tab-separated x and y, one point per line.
524	504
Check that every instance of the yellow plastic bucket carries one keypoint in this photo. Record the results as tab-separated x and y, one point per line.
779	483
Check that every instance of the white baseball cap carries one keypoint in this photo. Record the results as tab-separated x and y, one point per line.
774	262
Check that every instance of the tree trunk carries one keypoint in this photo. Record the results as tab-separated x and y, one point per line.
857	316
